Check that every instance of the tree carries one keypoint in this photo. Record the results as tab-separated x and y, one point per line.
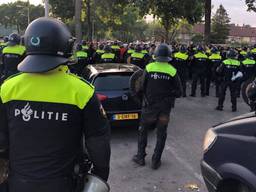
18	13
207	29
170	12
220	26
251	5
78	25
65	9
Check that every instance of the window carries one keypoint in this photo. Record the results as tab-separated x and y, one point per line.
112	82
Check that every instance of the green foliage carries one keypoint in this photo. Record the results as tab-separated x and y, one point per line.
65	9
251	5
220	26
170	12
16	14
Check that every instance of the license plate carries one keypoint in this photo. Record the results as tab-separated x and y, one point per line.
120	117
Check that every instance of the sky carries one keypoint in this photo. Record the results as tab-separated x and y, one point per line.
235	8
237	11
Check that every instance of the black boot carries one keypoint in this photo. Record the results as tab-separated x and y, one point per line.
138	159
142	143
156	162
234	109
219	108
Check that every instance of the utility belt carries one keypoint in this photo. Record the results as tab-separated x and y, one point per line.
80	181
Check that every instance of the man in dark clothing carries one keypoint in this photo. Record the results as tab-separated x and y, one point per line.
137	58
108	56
45	112
199	66
180	62
214	61
12	55
161	86
230	70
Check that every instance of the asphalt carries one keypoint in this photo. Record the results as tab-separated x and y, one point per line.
180	170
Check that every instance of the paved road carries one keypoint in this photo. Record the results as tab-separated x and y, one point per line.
181	159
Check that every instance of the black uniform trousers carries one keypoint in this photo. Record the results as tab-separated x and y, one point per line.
195	77
154	116
17	184
233	87
183	74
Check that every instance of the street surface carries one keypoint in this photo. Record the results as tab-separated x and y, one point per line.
180	170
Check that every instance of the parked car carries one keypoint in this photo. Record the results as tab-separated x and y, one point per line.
111	83
229	161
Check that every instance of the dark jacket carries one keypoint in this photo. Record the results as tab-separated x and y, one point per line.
43	119
162	83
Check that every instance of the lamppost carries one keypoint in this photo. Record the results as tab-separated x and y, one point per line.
46	7
28	12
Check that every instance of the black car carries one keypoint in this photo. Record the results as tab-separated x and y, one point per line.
111	83
229	162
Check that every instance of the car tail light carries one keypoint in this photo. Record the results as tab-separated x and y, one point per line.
102	97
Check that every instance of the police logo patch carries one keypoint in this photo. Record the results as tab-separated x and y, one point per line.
35	41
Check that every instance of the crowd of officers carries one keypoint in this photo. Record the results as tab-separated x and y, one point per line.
168	69
203	64
225	67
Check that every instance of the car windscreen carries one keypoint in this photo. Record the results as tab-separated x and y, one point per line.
112	82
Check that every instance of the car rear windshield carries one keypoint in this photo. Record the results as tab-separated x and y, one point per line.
112	82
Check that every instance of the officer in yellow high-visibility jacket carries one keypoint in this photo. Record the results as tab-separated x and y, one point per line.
46	112
108	56
12	55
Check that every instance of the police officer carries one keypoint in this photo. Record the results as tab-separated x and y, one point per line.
230	71
180	62
138	58
98	53
161	86
13	54
3	44
116	50
108	56
253	52
81	60
242	54
198	68
84	45
44	112
214	61
248	67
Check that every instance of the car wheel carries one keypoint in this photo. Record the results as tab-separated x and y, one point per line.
234	186
243	90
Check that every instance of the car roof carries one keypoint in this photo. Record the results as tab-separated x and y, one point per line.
112	68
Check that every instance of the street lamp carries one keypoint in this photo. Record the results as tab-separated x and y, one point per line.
46	7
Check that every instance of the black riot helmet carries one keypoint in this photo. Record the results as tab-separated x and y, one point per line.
231	54
13	39
183	49
200	48
214	50
6	39
138	48
79	47
48	43
101	46
163	53
107	49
